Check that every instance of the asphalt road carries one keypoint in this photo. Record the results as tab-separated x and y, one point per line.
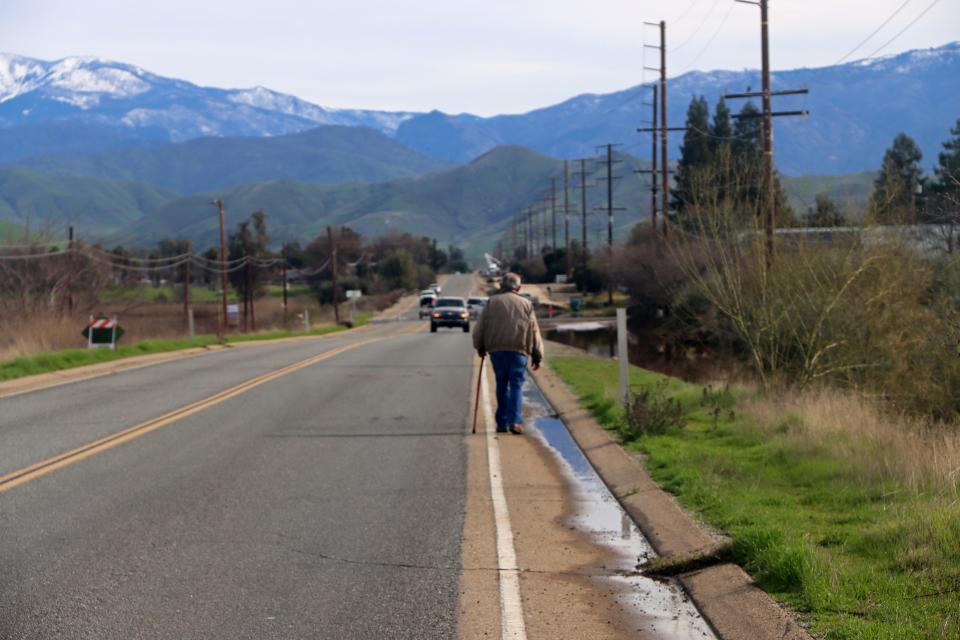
325	503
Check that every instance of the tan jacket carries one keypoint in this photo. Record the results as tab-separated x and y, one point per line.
508	323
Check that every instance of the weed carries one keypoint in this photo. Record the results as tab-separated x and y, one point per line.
650	411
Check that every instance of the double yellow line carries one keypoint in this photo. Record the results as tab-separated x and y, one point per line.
67	458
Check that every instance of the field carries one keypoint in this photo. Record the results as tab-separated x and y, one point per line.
153	321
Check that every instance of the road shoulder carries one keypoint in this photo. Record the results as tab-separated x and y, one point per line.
724	593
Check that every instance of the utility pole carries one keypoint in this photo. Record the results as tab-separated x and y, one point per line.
546	223
250	281
553	207
186	287
72	269
610	209
532	226
653	165
583	209
223	266
525	226
769	199
246	294
661	128
609	180
665	193
527	233
333	272
566	213
283	274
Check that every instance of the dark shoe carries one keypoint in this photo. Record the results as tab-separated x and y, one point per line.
502	430
517	429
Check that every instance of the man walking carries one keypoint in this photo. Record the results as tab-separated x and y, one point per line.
507	329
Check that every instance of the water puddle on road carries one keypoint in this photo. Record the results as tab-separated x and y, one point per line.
661	607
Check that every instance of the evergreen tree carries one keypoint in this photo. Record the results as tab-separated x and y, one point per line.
721	148
948	166
695	157
894	191
746	181
825	213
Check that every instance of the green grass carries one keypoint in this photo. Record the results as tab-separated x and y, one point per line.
854	559
158	294
197	294
71	358
293	290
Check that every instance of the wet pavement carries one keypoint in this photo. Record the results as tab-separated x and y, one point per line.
661	606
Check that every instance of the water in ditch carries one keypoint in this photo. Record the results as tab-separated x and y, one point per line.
662	605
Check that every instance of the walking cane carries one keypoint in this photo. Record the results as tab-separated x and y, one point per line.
476	405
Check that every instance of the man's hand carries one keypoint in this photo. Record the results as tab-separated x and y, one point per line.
535	366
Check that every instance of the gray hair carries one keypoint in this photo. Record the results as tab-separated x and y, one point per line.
510	282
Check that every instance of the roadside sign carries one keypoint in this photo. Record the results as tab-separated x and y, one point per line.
233	315
353	294
561	278
102	332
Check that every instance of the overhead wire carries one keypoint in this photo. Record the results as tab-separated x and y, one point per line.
696	31
686	12
713	37
904	30
874	32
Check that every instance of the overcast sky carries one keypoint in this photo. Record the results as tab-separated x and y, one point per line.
481	56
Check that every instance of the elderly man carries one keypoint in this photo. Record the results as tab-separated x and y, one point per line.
508	331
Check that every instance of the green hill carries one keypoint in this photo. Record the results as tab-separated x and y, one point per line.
326	154
49	202
471	205
447	205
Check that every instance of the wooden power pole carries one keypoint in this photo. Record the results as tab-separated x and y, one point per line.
769	212
223	266
333	274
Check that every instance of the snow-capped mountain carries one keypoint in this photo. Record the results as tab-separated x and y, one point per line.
91	105
106	94
856	109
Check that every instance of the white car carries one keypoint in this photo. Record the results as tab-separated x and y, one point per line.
427	300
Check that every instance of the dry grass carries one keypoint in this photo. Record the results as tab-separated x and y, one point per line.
911	452
30	334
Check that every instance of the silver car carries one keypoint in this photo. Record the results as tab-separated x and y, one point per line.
475	306
450	312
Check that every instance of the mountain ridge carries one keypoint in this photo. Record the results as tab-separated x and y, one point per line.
862	103
330	154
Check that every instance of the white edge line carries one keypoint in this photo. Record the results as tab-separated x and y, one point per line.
511	607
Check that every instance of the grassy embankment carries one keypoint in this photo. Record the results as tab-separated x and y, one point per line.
849	517
70	358
197	294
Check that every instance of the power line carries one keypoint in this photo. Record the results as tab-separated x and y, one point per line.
902	31
710	40
686	12
699	27
875	31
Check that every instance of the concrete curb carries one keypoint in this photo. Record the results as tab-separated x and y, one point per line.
724	593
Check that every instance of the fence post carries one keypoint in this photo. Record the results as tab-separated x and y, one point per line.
306	321
190	325
623	355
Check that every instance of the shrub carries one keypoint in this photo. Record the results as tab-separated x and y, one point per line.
650	411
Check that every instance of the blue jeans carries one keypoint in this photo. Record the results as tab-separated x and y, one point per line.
510	369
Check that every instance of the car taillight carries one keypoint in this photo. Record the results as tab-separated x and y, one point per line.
436	315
